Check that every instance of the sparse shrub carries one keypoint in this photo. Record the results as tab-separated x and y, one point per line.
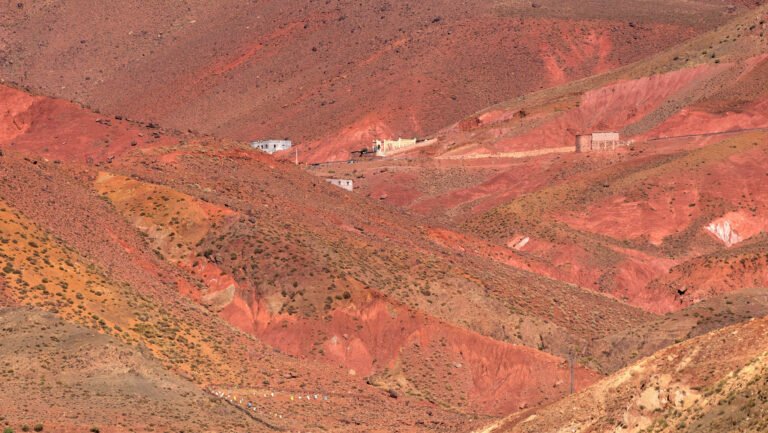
38	427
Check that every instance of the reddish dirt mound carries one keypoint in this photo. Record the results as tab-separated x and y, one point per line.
407	351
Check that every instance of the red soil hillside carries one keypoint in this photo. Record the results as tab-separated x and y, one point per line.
330	75
713	83
356	303
57	129
155	242
661	224
681	215
482	275
124	290
65	250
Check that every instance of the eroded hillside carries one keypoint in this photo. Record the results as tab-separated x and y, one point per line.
209	277
152	242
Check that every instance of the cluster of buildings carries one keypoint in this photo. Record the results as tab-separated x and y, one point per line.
590	142
380	148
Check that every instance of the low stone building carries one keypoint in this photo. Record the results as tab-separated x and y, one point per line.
384	147
272	146
342	183
598	141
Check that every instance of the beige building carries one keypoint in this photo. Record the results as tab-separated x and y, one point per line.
385	147
598	141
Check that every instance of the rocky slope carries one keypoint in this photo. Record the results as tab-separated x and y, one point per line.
714	383
280	302
77	257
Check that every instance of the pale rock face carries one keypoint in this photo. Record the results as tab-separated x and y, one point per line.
518	242
724	231
217	301
523	242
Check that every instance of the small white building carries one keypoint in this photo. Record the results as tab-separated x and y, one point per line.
272	146
342	183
